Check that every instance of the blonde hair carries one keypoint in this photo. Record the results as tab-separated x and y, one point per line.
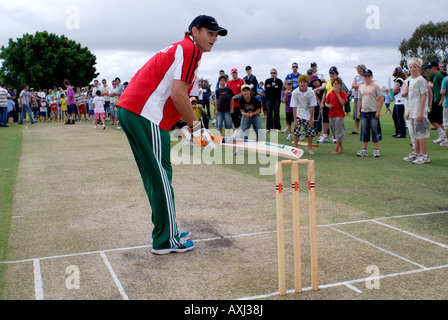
304	78
416	61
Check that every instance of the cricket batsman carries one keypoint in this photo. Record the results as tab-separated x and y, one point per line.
156	98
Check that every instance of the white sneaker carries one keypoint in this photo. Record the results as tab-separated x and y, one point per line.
441	138
104	127
95	127
289	137
363	153
118	128
285	130
411	157
422	160
376	153
444	143
335	141
323	139
301	138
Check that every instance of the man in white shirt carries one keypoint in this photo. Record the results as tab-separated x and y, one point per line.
4	96
113	96
359	80
105	94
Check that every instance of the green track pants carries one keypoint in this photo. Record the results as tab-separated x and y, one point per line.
151	147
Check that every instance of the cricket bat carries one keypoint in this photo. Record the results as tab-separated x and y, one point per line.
264	147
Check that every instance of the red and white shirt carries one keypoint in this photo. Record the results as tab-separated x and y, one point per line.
149	92
235	86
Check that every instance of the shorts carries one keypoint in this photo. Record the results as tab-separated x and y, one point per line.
370	125
289	117
325	113
99	116
306	128
82	109
436	114
420	129
71	109
43	113
236	117
92	112
337	126
445	118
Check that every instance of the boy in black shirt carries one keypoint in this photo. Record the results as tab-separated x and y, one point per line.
225	106
250	111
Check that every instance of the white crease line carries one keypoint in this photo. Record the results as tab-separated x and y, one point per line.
412	234
38	287
352	287
379	248
78	254
114	276
348	282
382	218
220	238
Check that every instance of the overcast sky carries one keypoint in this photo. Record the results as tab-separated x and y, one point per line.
264	34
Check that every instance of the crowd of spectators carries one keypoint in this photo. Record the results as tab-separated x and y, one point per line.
313	105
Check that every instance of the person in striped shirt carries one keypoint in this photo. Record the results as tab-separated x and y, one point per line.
156	98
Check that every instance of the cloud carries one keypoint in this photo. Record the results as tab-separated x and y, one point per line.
265	34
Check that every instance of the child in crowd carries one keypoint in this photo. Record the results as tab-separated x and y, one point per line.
43	110
417	113
100	113
54	109
335	101
369	111
63	106
303	101
89	103
11	107
224	100
286	99
250	111
387	100
200	112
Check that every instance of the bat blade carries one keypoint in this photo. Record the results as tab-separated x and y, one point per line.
264	147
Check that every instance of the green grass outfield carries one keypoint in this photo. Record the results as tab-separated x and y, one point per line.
382	187
10	142
385	186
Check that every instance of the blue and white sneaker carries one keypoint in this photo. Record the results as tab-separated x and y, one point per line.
182	246
184	236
